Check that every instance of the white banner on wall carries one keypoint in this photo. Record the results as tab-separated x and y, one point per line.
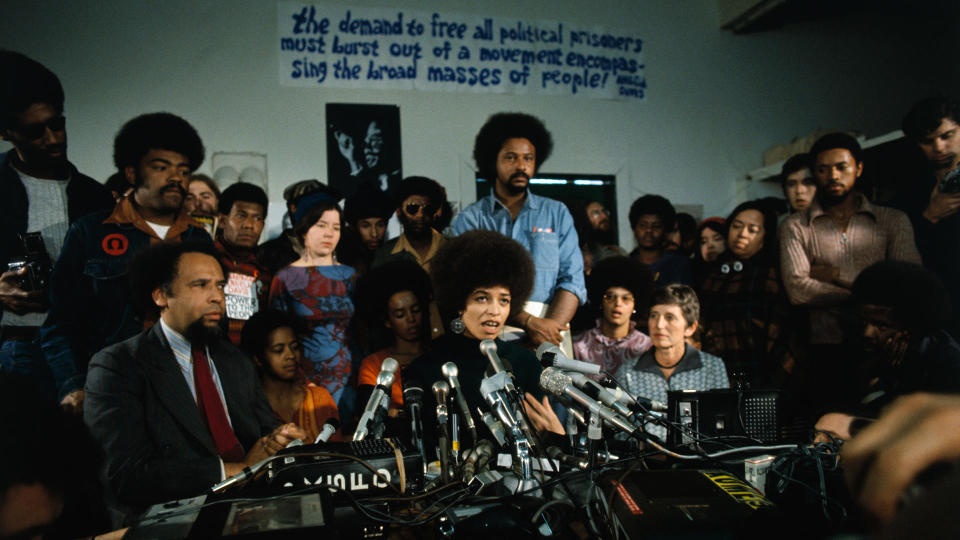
399	49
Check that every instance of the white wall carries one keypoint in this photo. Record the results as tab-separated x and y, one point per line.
715	100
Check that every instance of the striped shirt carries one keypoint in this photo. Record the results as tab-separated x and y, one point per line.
874	233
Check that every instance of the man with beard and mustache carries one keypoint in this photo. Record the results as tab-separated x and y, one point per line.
825	247
177	408
40	192
89	294
932	197
508	150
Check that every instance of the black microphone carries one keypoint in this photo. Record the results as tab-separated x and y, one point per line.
558	383
552	356
450	371
379	399
329	428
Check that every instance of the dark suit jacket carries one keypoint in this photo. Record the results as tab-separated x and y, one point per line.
140	409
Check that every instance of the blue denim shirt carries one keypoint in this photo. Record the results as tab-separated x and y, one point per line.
543	226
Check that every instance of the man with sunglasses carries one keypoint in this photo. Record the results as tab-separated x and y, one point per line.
40	192
419	200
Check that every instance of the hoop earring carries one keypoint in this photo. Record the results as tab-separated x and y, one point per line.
457	326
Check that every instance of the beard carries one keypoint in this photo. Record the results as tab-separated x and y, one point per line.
515	189
200	334
830	199
415	230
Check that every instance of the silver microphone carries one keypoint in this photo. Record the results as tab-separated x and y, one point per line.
489	349
329	428
450	371
552	356
558	383
617	399
440	392
379	399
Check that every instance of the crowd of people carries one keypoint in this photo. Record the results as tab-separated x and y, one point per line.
152	307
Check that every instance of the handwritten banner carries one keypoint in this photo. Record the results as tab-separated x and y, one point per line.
398	49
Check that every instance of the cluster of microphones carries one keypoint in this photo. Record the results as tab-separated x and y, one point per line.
588	401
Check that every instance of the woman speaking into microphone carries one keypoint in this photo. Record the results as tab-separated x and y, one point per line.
481	279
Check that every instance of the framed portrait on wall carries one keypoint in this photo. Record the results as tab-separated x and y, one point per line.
363	146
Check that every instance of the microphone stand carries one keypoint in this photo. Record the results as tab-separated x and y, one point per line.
594	435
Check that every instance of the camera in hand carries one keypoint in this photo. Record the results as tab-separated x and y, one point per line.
951	182
35	259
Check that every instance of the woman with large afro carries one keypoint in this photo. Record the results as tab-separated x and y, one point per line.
481	279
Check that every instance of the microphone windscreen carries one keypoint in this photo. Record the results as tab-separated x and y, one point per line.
552	380
546	347
389	365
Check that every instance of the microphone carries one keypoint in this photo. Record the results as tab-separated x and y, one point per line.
636	404
495	427
489	349
573	462
558	383
329	428
552	356
379	400
440	392
413	400
484	450
450	371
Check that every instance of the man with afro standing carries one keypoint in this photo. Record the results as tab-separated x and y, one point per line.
508	150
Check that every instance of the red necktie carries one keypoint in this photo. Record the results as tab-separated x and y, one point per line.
212	409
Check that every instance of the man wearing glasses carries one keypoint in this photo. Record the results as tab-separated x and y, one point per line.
40	193
419	201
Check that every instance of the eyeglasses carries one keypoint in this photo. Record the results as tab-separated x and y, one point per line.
414	208
600	212
612	298
36	130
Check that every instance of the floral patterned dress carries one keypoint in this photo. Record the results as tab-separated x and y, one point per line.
321	296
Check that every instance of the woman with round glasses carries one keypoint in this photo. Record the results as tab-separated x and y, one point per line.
618	290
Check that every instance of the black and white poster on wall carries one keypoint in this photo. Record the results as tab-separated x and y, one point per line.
363	146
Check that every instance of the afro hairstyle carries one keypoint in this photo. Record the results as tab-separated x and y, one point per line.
619	271
653	204
382	282
480	259
243	192
156	131
257	329
919	300
834	141
23	82
367	202
503	126
419	185
156	267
